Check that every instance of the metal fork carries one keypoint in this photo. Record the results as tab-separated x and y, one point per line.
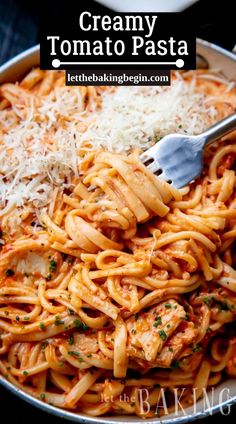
178	158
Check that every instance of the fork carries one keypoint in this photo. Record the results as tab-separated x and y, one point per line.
178	158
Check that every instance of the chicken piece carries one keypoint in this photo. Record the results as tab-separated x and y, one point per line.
86	344
21	247
171	351
32	263
185	335
152	329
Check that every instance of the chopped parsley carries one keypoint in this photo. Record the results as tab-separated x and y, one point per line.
175	365
207	301
74	353
80	325
157	322
77	354
52	266
71	340
197	348
44	345
58	321
42	396
163	335
168	306
41	326
185	318
224	306
25	373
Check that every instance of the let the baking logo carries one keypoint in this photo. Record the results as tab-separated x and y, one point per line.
144	403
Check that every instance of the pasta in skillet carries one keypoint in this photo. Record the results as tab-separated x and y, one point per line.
112	280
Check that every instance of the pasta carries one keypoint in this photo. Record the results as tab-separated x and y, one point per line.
113	281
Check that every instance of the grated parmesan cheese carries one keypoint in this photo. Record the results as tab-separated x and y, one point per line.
41	150
138	116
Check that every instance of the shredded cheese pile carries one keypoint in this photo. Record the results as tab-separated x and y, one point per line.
139	116
41	150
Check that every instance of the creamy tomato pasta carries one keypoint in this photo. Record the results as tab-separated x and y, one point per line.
112	280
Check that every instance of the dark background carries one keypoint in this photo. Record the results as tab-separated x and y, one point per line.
215	21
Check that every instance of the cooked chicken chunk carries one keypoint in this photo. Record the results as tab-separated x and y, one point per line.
185	335
150	333
86	343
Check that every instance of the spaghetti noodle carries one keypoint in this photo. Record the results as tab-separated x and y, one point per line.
116	281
